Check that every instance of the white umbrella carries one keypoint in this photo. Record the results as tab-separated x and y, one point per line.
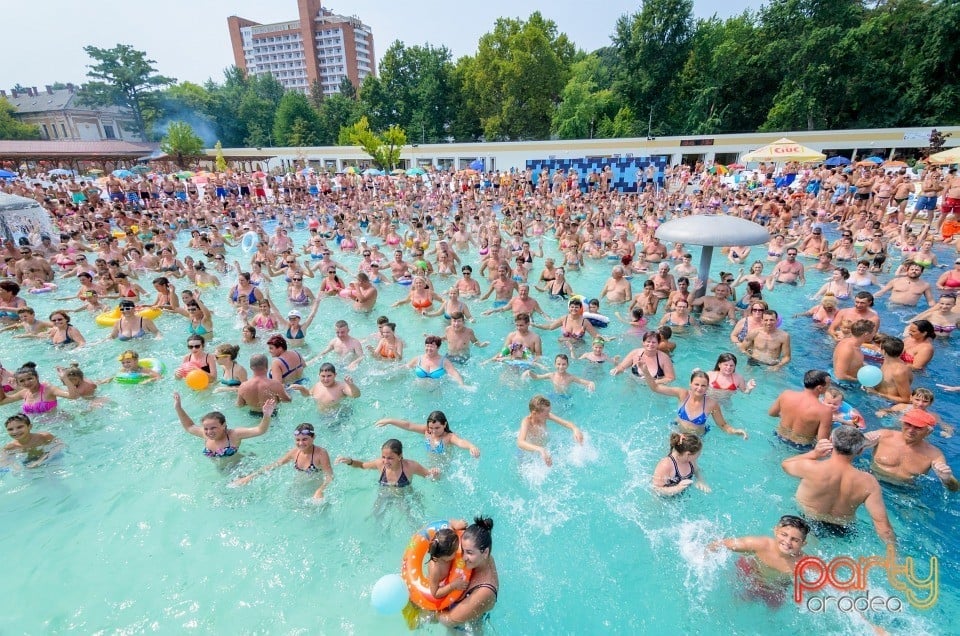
945	157
784	150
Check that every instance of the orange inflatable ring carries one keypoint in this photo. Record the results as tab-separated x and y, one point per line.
416	580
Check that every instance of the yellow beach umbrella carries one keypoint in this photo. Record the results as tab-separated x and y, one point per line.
784	150
945	157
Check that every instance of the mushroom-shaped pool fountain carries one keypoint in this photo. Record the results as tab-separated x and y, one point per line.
709	231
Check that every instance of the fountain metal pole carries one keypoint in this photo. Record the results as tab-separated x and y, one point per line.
706	255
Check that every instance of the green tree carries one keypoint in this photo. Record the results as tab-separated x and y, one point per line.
585	110
123	76
220	163
383	149
516	77
336	112
347	89
652	47
296	123
11	127
181	143
316	94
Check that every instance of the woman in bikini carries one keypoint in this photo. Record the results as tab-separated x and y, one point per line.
437	434
675	472
751	321
452	305
648	356
838	285
390	347
220	441
430	365
918	344
558	287
823	313
724	379
395	471
198	359
200	317
37	397
233	372
306	456
695	406
266	318
297	292
420	297
942	316
680	317
950	280
573	326
62	333
480	595
287	366
130	325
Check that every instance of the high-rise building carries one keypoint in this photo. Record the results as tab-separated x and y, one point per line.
318	46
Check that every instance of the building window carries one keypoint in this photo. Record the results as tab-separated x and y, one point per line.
53	127
64	129
108	132
46	133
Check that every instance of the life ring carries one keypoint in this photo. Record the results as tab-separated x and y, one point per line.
412	569
118	234
249	242
578	297
872	353
152	364
346	292
597	320
43	289
849	414
405	281
108	318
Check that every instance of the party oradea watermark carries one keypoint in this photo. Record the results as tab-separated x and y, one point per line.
843	584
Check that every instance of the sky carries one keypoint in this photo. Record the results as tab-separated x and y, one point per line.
43	42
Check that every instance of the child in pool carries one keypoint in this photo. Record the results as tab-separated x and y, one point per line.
37	447
597	355
638	324
443	550
769	573
843	413
72	376
561	378
534	427
130	367
920	399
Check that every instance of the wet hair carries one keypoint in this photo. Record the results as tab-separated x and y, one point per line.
227	349
73	371
329	368
686	443
844	273
215	415
861	328
10	286
457	315
665	332
393	445
434	340
562	356
305	429
926	328
340	323
18	417
439	417
522	317
444	543
538	402
921	392
637	313
834	392
479	533
196	338
161	280
793	521
277	341
724	357
865	295
892	347
815	378
655	335
575	302
259	361
847	440
60	312
698	373
382	320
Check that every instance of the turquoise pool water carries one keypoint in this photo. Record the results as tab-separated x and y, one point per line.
133	530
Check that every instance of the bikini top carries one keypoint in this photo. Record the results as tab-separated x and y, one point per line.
699	420
227	451
309	469
402	480
677	477
41	405
436	374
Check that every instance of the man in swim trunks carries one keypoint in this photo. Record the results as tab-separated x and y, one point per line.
328	391
847	356
907	290
803	418
520	304
259	388
831	489
862	310
459	337
344	345
788	271
769	344
503	285
716	308
529	340
901	456
617	288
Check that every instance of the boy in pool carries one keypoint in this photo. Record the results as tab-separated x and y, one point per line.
768	574
561	378
843	413
534	426
596	354
130	367
37	447
920	399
